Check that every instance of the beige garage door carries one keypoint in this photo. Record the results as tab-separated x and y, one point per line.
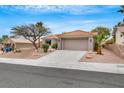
75	44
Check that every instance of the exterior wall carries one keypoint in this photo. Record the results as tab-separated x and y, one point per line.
24	45
90	44
0	46
119	39
43	40
59	44
117	49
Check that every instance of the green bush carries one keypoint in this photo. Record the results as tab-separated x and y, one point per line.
55	46
45	47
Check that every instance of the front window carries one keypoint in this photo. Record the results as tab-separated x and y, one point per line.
122	34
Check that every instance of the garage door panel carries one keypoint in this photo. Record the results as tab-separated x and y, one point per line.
75	44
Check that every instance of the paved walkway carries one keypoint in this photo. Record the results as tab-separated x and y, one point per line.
67	60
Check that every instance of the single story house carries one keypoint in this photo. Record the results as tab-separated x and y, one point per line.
120	35
21	42
75	40
51	39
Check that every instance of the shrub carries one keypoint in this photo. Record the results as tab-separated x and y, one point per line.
45	47
55	46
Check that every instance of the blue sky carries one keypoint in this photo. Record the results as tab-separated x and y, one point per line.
59	18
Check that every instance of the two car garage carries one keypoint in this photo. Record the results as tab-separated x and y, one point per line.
75	44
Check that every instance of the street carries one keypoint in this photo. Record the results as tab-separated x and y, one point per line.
20	76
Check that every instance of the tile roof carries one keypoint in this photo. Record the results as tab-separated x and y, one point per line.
77	33
53	36
20	40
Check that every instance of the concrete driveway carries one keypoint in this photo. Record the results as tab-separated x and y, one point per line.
62	57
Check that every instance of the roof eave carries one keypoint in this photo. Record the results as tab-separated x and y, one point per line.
75	36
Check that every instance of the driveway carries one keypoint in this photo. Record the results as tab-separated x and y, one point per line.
62	57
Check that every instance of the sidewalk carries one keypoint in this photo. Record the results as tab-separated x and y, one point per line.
99	67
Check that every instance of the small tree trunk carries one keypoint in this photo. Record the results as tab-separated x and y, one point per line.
99	50
35	45
39	43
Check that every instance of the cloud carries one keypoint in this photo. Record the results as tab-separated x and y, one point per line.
70	25
70	9
82	21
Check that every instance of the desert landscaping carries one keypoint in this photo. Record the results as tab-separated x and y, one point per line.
29	53
106	57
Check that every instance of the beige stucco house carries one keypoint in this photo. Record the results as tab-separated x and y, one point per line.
74	40
120	35
21	42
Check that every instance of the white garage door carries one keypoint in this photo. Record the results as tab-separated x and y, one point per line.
75	44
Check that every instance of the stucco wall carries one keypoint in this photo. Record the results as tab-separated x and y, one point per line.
59	44
115	48
119	39
24	45
90	44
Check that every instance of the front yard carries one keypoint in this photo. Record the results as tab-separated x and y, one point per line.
107	57
24	54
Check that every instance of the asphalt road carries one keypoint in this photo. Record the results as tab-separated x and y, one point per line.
19	76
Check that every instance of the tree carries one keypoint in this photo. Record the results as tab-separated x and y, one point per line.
1	40
122	9
4	37
31	32
102	34
42	30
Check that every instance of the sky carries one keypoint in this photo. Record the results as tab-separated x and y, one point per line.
59	18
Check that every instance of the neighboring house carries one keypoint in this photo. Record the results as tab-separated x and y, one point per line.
120	35
75	40
21	42
118	46
51	39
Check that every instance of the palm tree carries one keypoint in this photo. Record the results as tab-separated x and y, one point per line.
122	9
102	34
41	29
